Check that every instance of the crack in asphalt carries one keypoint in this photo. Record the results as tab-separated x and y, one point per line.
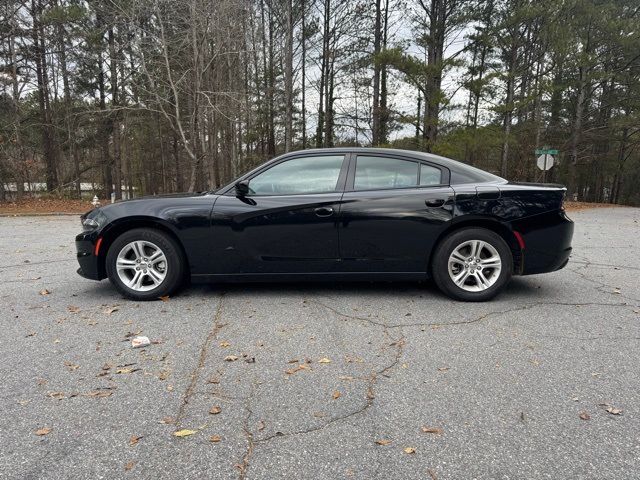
195	374
470	321
600	285
399	344
244	465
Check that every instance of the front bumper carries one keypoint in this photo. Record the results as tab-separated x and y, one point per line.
90	265
547	239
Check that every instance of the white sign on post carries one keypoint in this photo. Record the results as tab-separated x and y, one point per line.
545	162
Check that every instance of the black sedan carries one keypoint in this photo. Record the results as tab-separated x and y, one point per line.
334	214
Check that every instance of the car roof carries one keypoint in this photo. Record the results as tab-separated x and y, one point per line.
460	172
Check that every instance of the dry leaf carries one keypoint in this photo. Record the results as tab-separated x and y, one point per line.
134	440
225	344
291	371
98	394
164	298
215	410
215	438
126	370
336	395
230	358
56	395
436	430
71	366
443	369
584	416
73	309
129	466
324	360
613	410
432	473
44	292
168	420
383	442
164	374
261	425
409	450
110	310
184	433
43	431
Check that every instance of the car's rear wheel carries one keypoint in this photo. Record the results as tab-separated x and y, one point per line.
145	264
472	264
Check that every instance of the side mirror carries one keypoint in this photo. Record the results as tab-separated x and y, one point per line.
242	188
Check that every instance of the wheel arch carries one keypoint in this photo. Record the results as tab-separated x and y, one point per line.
118	227
489	223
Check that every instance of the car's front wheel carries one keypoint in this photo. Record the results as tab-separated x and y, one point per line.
472	264
145	264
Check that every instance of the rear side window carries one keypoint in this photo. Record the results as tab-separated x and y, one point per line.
430	175
316	174
374	173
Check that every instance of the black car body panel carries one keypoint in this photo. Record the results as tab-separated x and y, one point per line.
387	233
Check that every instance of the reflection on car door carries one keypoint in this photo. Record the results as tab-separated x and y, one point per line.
388	222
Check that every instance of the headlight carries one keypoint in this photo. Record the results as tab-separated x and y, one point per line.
89	224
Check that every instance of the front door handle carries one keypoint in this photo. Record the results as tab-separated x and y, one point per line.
324	211
434	202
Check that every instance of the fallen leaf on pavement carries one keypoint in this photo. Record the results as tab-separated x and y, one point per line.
98	394
614	410
71	366
184	433
43	431
215	410
225	344
584	416
336	395
168	420
230	358
73	309
383	442
432	473
44	292
324	360
261	425
129	466
164	298
302	366
409	450
56	395
436	430
110	310
443	369
134	440
215	438
126	370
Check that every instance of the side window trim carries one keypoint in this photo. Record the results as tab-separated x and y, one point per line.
340	183
351	175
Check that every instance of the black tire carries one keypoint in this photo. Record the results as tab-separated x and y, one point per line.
175	263
440	264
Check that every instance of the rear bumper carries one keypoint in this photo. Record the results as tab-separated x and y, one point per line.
90	266
547	238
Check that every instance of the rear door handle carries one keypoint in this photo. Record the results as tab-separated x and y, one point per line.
434	202
324	211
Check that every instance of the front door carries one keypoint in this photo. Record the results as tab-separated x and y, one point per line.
286	224
392	212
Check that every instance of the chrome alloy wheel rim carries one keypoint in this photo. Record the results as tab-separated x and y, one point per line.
474	265
141	265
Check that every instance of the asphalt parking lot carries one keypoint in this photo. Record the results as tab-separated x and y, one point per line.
366	381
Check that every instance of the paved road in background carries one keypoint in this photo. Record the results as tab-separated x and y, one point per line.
323	372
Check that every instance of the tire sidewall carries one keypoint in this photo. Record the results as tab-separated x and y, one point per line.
440	265
175	267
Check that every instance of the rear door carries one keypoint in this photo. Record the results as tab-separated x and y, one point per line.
287	223
392	211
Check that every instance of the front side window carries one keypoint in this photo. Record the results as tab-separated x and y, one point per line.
317	174
380	173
